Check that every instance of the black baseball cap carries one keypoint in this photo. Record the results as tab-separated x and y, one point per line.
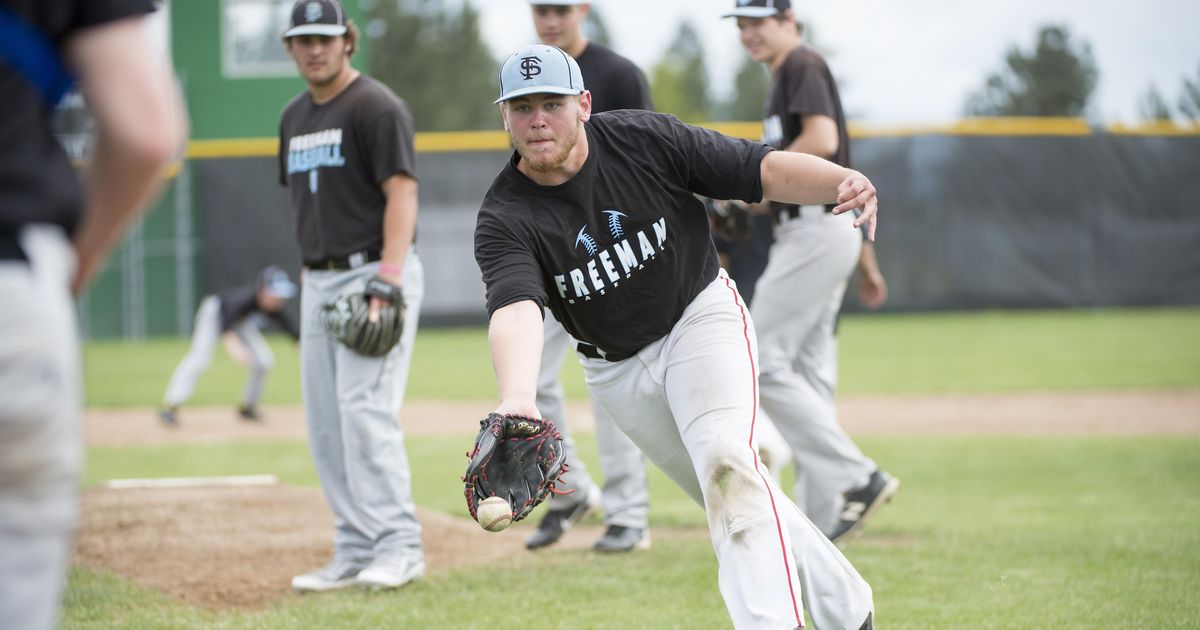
758	8
317	17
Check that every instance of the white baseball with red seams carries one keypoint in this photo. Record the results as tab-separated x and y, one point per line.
494	514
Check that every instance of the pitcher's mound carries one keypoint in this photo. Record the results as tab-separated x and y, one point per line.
223	547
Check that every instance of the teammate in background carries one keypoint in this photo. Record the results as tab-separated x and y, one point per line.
798	297
54	236
669	348
346	154
617	84
236	316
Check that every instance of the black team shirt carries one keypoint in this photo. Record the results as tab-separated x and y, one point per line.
614	81
618	251
37	182
237	303
802	86
333	157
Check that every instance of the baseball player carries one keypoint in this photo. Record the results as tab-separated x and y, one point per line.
54	236
800	292
617	84
346	155
595	217
236	316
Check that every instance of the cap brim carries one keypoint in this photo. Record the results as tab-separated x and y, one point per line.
751	12
332	30
537	89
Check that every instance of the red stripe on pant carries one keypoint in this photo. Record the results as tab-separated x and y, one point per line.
787	565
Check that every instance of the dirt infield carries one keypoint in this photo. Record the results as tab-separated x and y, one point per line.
1131	412
237	547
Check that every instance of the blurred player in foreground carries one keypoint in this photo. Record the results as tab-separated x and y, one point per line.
236	316
54	236
596	218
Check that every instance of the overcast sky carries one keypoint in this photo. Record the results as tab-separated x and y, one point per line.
915	61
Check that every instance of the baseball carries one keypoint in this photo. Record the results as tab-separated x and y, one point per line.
494	514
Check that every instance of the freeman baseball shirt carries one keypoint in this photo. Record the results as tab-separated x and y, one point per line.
333	157
606	249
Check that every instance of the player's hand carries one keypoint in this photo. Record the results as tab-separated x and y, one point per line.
856	191
872	290
382	290
519	408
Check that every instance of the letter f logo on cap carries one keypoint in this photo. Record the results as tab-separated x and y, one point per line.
530	67
539	69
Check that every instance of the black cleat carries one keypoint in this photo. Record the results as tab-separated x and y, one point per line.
249	413
862	503
169	416
618	538
556	522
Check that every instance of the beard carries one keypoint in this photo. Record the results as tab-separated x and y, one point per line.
543	163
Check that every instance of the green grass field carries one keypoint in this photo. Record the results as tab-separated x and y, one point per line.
979	352
987	532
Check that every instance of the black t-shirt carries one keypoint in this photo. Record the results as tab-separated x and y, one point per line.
803	85
614	81
334	156
37	182
619	250
237	303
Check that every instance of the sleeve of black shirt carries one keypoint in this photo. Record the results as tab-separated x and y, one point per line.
508	265
719	166
389	141
282	157
95	12
809	90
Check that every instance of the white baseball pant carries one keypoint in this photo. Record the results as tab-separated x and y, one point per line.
351	403
689	401
205	332
41	437
796	304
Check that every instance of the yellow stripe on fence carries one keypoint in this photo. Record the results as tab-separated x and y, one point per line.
466	141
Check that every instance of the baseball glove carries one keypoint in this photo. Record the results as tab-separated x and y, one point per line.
517	458
729	219
348	319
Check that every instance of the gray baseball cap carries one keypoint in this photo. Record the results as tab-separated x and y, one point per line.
758	8
275	280
539	69
561	3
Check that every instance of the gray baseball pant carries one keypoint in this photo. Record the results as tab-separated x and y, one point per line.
351	403
205	332
625	494
795	310
41	441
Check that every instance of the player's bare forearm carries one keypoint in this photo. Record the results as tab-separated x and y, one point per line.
819	137
140	123
515	336
805	179
399	225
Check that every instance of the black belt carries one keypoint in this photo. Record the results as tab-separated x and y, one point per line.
344	263
592	352
10	246
792	211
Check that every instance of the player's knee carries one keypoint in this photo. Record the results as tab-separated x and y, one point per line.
734	494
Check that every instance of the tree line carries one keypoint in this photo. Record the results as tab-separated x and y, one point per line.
438	46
